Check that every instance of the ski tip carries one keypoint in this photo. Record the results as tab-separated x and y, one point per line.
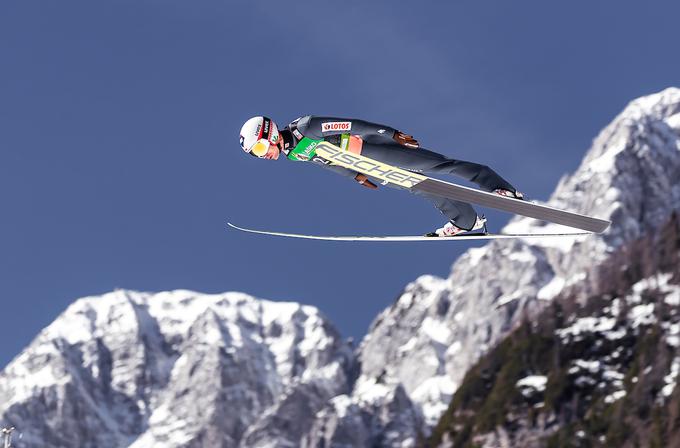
602	226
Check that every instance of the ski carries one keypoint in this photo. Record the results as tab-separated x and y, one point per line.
329	153
463	237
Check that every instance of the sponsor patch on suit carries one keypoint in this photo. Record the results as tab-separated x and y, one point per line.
334	126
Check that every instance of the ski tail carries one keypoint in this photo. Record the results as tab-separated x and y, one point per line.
417	182
511	205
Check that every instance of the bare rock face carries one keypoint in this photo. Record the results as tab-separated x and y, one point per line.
431	336
174	369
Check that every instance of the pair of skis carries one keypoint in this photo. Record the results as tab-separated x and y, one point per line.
328	153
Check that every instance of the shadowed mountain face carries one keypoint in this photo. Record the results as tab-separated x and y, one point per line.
184	369
596	372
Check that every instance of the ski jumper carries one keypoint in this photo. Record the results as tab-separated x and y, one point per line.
302	135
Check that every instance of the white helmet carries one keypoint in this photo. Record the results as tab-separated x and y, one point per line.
257	134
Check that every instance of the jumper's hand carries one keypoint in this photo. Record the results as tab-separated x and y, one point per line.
355	144
405	139
363	180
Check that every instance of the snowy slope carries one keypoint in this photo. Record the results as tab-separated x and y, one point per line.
170	369
438	328
599	372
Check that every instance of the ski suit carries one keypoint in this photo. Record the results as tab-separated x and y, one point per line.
301	136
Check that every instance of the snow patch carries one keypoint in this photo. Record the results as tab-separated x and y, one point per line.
523	256
611	398
642	315
590	366
615	334
588	325
536	382
406	300
551	289
475	255
673	335
410	345
431	283
503	300
673	297
670	380
454	348
341	405
605	163
34	382
674	121
434	394
370	391
436	330
612	375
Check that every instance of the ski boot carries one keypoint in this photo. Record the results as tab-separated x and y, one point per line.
450	229
509	194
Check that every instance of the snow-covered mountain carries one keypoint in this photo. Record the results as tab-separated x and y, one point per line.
184	369
174	369
596	372
425	343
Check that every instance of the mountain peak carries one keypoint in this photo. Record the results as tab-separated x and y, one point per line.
437	329
157	368
629	176
182	368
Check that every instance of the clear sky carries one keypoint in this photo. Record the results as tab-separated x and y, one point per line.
119	120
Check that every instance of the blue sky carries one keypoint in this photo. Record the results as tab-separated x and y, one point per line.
119	156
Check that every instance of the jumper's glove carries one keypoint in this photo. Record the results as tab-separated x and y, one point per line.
363	180
405	139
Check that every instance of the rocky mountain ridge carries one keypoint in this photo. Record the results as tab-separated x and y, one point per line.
173	369
599	372
439	328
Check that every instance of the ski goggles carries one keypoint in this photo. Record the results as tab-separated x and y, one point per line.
260	148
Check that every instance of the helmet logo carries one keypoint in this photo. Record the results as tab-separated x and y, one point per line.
265	130
257	129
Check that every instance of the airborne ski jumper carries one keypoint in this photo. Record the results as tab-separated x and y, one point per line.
260	137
